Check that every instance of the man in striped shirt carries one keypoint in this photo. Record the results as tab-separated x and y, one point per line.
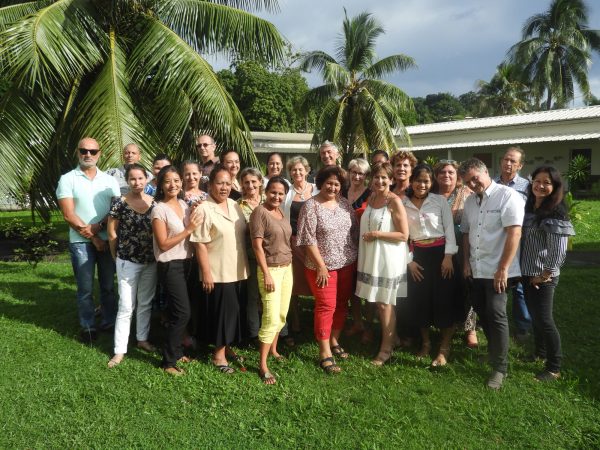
511	164
491	227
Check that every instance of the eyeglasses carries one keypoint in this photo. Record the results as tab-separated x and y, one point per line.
203	144
358	174
447	161
86	151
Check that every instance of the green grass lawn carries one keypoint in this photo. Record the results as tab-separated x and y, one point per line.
58	393
588	233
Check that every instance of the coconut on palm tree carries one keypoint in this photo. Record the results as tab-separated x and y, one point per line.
555	52
119	71
357	110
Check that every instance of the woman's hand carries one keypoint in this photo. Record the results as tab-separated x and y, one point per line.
369	236
540	279
447	267
322	277
416	271
269	283
207	282
196	219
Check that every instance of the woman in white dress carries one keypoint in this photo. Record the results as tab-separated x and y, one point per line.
382	255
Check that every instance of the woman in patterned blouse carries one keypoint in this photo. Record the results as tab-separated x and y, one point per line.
328	230
130	240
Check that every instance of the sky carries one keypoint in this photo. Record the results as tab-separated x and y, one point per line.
455	42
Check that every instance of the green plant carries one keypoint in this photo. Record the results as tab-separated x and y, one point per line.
36	241
430	160
578	171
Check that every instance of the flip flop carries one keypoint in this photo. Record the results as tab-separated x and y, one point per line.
268	378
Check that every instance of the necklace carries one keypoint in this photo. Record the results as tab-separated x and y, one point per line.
301	193
383	208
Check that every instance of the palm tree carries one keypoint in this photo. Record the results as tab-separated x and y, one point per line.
357	110
119	71
556	52
504	93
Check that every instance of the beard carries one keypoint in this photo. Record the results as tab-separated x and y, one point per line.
87	164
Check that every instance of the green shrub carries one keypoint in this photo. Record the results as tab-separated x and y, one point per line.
35	241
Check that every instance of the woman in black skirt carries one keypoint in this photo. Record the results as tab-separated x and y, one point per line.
221	254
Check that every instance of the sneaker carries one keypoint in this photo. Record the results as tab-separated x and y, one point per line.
88	336
547	376
495	380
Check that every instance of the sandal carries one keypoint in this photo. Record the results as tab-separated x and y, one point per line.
115	360
442	358
224	368
330	369
381	358
147	346
175	371
268	378
339	352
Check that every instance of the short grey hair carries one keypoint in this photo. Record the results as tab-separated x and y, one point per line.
361	163
251	171
295	160
329	144
519	150
471	163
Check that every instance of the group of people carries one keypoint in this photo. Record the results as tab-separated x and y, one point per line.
232	251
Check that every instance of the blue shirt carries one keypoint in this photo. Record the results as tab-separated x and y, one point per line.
518	183
92	198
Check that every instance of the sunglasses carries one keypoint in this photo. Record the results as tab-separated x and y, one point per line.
203	145
447	161
86	151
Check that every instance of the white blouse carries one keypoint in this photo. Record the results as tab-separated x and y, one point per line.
432	221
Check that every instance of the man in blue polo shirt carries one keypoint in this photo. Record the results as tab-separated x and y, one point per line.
84	197
510	164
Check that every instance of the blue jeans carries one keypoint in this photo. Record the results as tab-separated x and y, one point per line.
519	310
84	258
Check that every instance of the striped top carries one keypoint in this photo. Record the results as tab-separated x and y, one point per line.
544	246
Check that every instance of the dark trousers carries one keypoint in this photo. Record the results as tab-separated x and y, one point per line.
491	309
172	276
540	303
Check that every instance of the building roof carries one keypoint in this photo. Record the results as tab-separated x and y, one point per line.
540	117
509	141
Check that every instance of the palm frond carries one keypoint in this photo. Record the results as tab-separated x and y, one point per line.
12	13
388	65
315	60
215	27
317	97
271	6
168	64
49	47
337	75
107	112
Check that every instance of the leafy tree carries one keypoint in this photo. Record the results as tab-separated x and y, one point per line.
469	101
555	52
444	107
119	71
504	93
359	111
268	100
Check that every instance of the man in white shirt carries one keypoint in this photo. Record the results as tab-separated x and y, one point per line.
491	226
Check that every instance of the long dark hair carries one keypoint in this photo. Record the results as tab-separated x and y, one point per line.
419	168
160	194
553	205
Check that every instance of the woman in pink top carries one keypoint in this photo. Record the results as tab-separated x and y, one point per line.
172	226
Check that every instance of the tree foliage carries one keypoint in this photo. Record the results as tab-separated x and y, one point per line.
119	71
504	94
358	110
268	99
555	52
